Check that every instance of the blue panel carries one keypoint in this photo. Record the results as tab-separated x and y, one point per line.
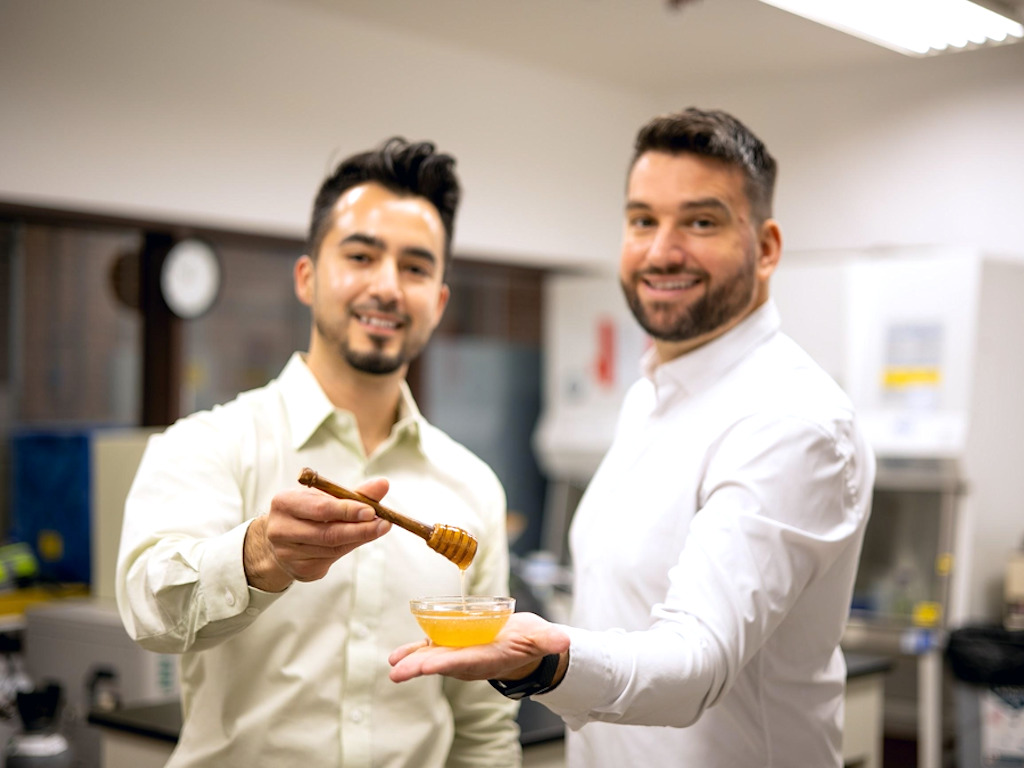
50	504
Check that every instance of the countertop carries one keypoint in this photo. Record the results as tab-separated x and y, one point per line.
159	721
860	664
163	721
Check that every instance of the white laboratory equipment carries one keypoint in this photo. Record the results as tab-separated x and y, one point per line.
927	342
82	646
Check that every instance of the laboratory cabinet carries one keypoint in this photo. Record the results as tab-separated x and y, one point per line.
927	342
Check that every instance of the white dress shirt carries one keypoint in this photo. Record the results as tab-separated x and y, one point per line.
714	553
300	678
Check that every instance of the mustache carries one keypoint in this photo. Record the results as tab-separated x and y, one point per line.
383	307
671	272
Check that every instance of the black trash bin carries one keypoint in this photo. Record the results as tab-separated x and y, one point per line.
988	665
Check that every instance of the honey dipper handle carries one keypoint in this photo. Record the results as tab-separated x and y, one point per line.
313	480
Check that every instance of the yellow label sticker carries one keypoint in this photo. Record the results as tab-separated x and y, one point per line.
51	545
927	614
904	377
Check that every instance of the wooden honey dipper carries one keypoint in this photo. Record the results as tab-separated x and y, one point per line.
454	543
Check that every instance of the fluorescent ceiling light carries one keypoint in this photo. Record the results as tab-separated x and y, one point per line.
913	27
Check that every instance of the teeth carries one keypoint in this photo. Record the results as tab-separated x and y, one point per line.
379	322
672	286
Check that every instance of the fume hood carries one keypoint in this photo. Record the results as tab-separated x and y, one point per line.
927	342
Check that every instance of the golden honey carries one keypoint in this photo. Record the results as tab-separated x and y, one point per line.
458	622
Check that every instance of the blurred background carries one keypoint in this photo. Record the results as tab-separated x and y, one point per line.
127	128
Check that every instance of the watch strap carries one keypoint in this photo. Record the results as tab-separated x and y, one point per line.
538	681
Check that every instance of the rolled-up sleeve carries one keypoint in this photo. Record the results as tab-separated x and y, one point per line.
180	581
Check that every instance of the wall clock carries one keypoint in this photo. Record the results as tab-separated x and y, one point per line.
190	278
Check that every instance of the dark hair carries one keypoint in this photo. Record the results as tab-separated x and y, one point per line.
405	169
719	135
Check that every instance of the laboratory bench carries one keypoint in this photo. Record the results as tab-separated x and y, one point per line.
143	736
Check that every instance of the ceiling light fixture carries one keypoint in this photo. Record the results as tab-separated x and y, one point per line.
911	27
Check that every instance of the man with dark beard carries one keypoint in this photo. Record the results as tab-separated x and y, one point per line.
714	552
283	601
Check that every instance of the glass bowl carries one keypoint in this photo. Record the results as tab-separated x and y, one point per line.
461	621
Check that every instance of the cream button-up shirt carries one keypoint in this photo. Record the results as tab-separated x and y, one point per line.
300	678
715	553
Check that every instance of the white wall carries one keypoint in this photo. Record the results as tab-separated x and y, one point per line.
230	113
926	151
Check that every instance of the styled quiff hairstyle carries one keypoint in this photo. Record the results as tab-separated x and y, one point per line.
718	135
400	166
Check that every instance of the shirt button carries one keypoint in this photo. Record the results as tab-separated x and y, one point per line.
356	716
229	598
252	611
360	631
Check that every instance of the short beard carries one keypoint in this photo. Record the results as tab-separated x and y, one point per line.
373	362
713	310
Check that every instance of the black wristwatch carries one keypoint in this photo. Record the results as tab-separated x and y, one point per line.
538	681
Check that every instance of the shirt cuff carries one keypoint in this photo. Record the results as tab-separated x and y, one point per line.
593	677
227	593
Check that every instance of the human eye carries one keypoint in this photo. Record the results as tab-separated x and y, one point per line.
419	267
361	255
641	221
703	223
417	270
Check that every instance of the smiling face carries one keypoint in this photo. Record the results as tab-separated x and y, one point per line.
375	287
694	262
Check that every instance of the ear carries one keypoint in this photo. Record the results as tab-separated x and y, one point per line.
769	248
442	301
305	277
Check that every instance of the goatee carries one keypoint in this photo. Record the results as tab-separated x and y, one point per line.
372	362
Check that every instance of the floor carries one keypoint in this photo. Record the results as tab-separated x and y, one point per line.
551	754
899	753
547	754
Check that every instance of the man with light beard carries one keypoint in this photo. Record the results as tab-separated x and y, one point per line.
715	550
282	600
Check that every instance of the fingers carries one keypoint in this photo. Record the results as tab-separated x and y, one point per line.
309	562
313	506
401	652
478	662
317	506
524	640
375	488
426	659
307	555
308	530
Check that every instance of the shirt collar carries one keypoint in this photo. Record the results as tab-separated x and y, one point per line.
308	408
703	366
409	425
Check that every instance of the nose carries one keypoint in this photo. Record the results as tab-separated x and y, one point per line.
385	285
666	248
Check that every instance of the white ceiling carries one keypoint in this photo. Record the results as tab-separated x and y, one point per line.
640	45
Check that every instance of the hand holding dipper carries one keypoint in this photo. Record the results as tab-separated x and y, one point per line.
454	543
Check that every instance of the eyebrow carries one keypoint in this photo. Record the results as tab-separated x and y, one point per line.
704	202
376	242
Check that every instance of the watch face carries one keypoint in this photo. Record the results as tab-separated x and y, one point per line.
190	278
